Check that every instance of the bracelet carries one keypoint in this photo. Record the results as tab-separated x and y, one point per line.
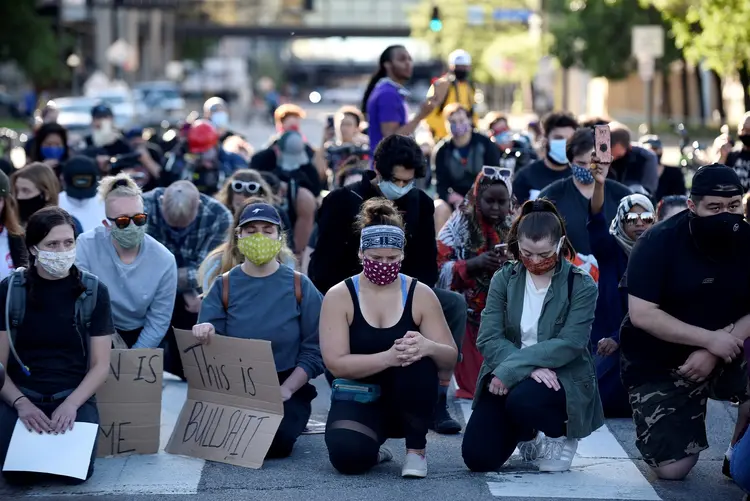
16	400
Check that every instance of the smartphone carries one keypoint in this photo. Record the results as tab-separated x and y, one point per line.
603	146
330	122
501	248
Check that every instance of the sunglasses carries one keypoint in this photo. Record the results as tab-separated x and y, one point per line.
645	217
123	222
250	187
491	172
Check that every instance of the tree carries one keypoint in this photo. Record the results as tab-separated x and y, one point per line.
596	35
30	41
501	51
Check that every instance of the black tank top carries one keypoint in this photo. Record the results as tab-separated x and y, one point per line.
364	339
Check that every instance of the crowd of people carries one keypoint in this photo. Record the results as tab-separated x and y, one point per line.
556	289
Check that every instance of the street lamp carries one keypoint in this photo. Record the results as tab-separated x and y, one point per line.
74	62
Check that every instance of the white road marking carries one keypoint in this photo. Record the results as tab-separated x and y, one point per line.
160	473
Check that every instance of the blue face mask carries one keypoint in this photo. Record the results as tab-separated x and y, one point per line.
393	192
220	119
582	174
52	152
556	151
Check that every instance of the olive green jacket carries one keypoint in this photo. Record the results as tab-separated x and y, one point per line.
563	340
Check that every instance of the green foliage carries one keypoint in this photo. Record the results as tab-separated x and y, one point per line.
30	41
501	52
596	35
712	31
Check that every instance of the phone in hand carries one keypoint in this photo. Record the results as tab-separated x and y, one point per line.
330	122
501	249
603	146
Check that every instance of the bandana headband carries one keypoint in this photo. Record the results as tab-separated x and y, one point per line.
383	236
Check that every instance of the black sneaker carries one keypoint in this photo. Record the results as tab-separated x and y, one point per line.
443	423
725	468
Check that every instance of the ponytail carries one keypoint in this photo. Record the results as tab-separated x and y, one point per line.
539	219
385	57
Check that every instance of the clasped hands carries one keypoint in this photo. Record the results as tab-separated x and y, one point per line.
409	349
548	377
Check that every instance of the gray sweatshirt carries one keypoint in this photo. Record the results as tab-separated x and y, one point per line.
266	308
142	293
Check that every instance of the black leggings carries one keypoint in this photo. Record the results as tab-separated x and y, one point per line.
355	431
87	413
498	423
297	412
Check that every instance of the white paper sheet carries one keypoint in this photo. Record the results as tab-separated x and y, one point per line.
66	454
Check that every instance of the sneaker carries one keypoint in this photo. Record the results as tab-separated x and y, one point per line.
443	423
384	455
415	466
533	449
725	467
558	454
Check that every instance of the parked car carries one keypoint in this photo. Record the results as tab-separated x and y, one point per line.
126	110
162	100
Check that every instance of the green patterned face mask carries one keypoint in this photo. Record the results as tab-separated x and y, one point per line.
129	237
258	248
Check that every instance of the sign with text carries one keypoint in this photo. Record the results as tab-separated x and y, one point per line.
129	403
233	406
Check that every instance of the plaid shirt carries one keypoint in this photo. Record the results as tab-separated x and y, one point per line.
207	232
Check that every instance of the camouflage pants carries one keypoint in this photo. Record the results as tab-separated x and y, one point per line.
670	414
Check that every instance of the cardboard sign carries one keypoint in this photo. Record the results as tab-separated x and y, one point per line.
233	406
129	403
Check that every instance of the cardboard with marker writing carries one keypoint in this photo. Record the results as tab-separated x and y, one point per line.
233	406
129	403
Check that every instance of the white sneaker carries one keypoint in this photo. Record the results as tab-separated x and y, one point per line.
415	466
558	454
384	455
533	449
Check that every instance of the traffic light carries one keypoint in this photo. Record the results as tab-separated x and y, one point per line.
435	23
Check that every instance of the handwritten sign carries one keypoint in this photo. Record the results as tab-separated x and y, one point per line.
130	403
233	406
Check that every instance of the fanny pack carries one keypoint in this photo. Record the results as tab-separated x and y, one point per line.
354	391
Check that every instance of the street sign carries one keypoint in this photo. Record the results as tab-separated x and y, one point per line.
475	15
520	16
646	68
648	41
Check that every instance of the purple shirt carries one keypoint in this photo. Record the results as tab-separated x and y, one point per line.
385	104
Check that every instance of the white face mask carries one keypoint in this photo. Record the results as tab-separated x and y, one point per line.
57	264
105	135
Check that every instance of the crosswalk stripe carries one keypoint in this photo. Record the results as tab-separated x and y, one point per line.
601	469
160	473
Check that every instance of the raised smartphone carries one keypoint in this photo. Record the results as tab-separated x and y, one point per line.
603	146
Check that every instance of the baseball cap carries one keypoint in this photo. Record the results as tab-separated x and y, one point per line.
716	180
101	111
81	175
260	212
459	58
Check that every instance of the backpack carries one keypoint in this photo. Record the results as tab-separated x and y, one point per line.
225	288
15	305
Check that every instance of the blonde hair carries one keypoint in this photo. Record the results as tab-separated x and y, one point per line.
230	254
226	194
121	185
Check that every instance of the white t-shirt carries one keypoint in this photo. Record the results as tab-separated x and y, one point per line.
6	262
89	211
533	300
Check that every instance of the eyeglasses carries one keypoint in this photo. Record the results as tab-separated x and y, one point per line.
645	217
250	187
123	222
492	172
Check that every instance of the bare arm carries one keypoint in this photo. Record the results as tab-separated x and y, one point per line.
334	339
647	316
306	205
296	380
433	326
10	391
97	374
320	162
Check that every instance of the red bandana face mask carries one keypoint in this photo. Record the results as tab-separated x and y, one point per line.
543	265
380	273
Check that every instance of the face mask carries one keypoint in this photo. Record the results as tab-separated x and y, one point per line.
543	265
258	248
718	231
556	151
461	74
393	192
29	206
582	174
220	119
129	237
56	264
52	152
104	135
380	273
745	138
459	130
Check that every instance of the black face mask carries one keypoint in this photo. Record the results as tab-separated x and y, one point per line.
745	138
718	234
461	74
29	206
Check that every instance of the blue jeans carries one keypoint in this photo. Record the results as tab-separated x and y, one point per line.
740	464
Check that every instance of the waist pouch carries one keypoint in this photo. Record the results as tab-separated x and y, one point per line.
354	391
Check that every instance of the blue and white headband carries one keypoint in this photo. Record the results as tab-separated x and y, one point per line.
383	236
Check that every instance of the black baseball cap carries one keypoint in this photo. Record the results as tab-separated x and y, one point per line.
716	180
260	212
81	176
101	110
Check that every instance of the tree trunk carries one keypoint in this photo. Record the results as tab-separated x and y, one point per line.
701	100
666	94
685	91
565	89
719	96
745	81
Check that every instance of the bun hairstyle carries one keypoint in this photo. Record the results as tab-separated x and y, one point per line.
379	211
539	220
121	185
